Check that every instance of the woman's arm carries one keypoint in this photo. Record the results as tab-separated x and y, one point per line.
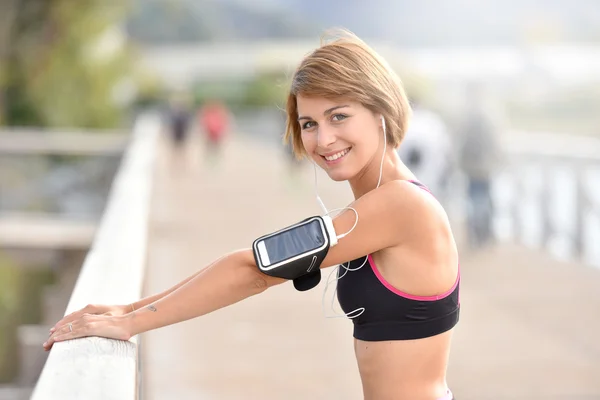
387	216
230	279
153	298
118	310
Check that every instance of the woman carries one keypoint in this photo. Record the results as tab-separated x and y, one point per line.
347	112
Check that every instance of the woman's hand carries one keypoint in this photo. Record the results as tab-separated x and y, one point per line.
94	309
108	326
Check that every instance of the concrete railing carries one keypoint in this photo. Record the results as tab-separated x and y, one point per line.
31	141
98	368
549	194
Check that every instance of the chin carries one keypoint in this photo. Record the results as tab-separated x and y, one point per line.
339	176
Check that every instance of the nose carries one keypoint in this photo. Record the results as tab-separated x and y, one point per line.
325	136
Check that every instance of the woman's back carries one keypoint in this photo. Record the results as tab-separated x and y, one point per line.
404	302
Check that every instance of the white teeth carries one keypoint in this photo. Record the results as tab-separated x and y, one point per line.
337	155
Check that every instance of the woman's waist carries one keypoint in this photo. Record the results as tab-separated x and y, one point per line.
404	369
399	388
407	366
400	385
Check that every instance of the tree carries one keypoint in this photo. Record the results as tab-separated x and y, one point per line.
60	61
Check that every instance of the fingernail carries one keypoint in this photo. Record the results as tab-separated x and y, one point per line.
45	343
52	329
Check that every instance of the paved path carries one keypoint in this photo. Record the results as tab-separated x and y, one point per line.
529	327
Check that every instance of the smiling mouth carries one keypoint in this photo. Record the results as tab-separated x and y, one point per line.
337	156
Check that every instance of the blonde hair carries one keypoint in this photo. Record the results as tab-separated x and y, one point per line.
347	67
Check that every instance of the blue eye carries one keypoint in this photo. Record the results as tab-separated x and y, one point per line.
339	117
307	125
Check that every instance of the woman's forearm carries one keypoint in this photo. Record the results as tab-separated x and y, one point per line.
225	282
154	298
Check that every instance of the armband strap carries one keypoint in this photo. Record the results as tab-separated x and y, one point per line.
302	267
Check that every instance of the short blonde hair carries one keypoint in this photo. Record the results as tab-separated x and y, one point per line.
347	67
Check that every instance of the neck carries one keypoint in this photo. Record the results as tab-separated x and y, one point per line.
393	169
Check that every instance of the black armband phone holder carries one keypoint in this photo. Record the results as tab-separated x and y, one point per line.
296	252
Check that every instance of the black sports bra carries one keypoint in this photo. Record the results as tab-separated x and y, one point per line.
390	314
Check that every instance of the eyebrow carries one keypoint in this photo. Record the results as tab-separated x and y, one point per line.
326	112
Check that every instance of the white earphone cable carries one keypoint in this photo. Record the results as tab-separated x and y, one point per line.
355	313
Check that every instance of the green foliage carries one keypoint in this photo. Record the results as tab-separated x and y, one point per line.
66	59
9	305
150	91
266	89
9	287
21	291
228	91
31	289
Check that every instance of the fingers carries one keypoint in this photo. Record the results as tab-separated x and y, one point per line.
89	309
70	330
91	325
69	318
56	334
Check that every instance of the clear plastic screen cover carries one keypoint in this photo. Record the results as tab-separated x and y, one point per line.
295	241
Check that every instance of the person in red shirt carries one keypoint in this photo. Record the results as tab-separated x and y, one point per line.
214	122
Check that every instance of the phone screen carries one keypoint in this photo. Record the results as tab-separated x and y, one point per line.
294	241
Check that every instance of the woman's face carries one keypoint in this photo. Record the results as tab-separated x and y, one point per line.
341	136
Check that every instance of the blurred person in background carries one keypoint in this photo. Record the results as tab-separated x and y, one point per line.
179	115
427	151
396	261
480	156
214	121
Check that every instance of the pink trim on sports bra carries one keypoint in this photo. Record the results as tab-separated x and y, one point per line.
420	185
410	296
